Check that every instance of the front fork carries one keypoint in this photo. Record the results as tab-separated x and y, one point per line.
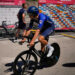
28	58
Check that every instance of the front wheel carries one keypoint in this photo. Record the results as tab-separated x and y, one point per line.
25	63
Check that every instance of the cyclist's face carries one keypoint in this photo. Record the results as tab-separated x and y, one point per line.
32	17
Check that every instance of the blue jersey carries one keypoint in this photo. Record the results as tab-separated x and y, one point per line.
21	12
43	21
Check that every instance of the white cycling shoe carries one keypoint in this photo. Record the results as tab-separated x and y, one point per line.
51	50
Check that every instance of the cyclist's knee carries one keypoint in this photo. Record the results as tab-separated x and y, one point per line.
41	38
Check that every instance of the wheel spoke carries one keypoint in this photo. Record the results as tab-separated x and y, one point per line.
23	60
28	58
19	68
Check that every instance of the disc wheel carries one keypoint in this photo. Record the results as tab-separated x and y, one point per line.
52	60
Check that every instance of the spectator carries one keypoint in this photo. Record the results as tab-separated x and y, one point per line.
21	17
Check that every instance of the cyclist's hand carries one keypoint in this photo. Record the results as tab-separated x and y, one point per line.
31	43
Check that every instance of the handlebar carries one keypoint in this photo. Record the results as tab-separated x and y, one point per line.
33	45
29	42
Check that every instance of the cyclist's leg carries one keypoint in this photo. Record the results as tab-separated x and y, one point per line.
43	42
42	47
42	38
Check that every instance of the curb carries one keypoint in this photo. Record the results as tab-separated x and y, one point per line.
68	35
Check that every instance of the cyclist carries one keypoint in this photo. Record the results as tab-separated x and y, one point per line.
21	17
45	28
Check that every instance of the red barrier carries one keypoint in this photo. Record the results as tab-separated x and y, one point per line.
12	2
58	1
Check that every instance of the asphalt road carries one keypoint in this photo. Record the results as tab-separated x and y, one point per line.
65	65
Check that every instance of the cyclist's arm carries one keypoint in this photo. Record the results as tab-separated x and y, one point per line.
41	22
23	18
36	35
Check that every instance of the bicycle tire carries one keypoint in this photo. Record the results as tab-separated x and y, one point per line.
22	63
56	53
53	59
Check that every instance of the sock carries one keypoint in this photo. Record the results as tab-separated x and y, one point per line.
48	45
50	50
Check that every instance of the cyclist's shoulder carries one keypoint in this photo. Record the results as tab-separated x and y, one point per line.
42	16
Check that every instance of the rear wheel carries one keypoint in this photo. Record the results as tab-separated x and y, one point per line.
52	60
25	63
56	53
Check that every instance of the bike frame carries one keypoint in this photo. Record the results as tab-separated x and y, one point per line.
34	51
